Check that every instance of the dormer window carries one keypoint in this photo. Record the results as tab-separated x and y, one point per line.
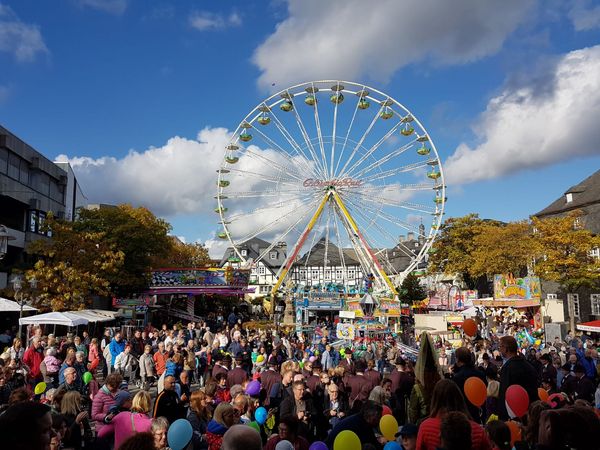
244	252
272	255
569	197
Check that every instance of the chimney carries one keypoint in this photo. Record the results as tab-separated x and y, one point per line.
410	236
401	238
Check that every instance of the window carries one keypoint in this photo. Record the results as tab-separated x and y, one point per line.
3	160
272	255
551	296
595	299
577	223
315	274
573	303
351	273
13	166
569	197
595	253
244	252
328	274
339	274
302	275
261	269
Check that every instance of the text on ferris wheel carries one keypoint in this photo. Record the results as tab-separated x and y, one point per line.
342	182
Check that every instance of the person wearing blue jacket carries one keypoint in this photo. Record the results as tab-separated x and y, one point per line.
116	347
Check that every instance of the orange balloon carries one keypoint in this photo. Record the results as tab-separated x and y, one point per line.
543	394
515	431
475	391
469	327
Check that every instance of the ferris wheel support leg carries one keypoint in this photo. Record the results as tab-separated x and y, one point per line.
292	257
354	227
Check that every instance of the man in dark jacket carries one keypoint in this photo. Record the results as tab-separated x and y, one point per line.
359	386
237	375
167	403
463	370
516	370
362	423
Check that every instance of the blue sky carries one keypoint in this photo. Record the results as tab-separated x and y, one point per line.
509	91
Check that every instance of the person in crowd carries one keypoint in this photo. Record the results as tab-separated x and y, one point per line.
17	351
52	364
223	418
105	399
71	383
80	432
222	394
288	430
147	368
138	441
128	423
447	398
464	369
199	415
362	423
241	437
237	375
427	374
167	403
407	436
93	355
26	426
126	363
159	428
516	370
499	435
455	432
116	347
32	358
160	359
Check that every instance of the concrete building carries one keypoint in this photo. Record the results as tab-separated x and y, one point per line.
31	186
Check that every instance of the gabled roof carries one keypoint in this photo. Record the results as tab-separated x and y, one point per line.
255	247
585	194
316	256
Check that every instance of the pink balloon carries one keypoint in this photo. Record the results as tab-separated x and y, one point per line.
312	359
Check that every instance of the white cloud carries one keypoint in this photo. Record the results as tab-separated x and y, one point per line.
177	178
584	16
23	40
551	119
205	20
348	39
116	7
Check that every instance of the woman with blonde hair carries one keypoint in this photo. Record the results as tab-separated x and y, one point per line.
491	401
16	350
199	416
128	423
222	420
80	432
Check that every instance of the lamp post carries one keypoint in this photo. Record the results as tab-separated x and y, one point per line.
4	238
17	283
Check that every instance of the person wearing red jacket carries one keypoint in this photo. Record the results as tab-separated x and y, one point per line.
33	357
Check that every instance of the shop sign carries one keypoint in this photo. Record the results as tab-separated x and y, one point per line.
509	287
130	302
345	331
321	300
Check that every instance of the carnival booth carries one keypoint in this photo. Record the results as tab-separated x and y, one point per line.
514	309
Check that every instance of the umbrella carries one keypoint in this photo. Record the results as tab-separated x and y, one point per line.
7	305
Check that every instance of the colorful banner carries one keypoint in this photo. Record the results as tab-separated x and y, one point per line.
227	276
355	306
130	302
345	331
320	300
509	287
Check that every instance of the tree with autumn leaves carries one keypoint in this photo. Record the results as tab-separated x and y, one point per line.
555	249
104	252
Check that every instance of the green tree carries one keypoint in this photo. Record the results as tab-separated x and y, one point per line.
452	251
563	251
502	248
411	290
72	266
138	233
182	254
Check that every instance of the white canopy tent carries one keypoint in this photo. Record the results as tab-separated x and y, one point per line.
96	315
7	305
55	318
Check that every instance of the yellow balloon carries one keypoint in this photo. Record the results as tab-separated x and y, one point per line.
260	358
388	425
347	440
40	388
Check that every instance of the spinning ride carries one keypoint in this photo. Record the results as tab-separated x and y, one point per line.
339	163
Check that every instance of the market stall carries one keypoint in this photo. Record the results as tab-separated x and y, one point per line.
593	326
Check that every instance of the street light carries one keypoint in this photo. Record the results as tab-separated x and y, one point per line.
19	296
4	238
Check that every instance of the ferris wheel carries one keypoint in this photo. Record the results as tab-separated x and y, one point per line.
337	163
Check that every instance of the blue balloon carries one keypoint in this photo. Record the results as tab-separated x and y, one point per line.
260	415
179	434
392	445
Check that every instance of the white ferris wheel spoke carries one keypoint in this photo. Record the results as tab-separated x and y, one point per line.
393	172
282	169
427	210
362	139
381	161
347	134
320	137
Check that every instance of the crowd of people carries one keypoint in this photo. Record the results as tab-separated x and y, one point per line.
236	387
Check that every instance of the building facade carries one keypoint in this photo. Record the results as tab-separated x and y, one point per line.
584	304
31	186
